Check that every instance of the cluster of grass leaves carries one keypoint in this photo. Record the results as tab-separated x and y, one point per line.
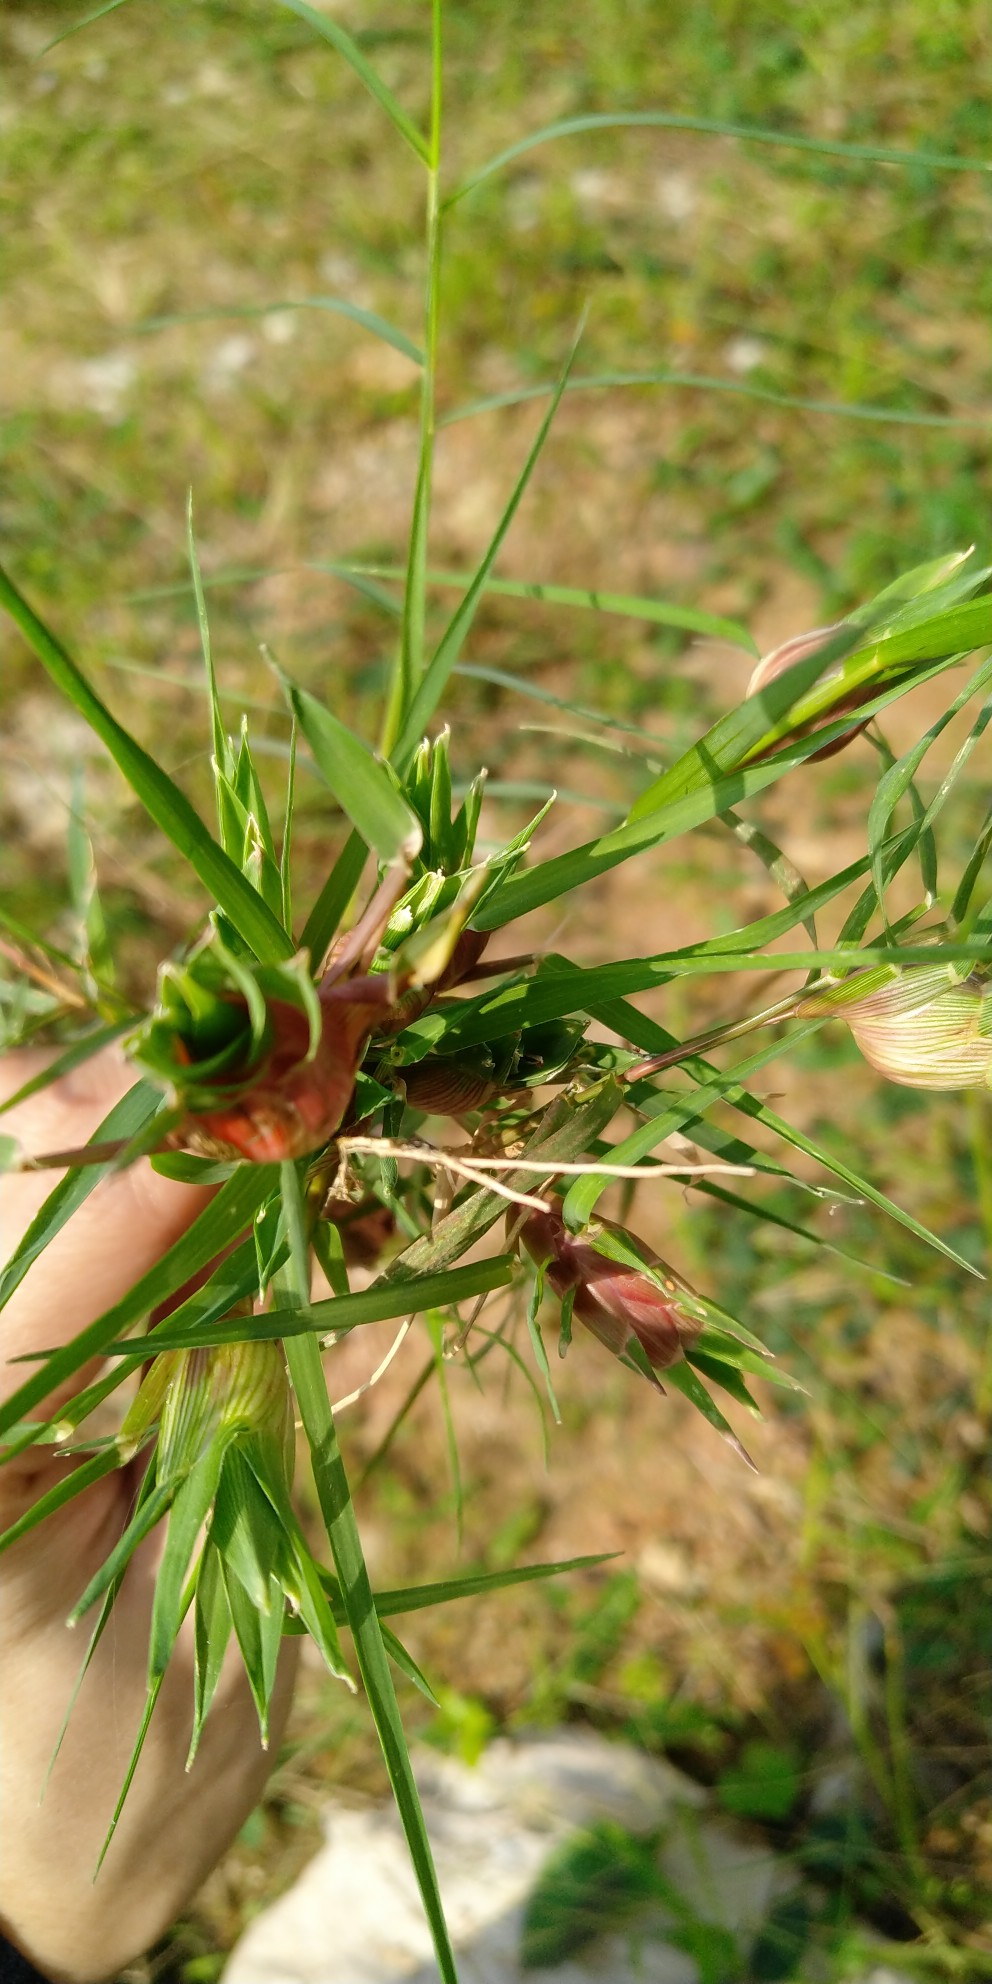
925	624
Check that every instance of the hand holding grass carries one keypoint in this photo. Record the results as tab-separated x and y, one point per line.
174	1827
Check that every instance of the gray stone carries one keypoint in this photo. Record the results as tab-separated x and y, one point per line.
354	1915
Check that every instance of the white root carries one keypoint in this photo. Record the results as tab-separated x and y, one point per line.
351	1398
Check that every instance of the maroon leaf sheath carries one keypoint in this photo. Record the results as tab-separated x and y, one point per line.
613	1301
289	1104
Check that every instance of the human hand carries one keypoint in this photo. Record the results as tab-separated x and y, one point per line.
174	1826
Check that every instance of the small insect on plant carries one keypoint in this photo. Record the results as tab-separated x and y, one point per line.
377	1083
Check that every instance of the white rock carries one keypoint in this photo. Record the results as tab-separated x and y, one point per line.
744	353
104	383
227	359
354	1915
676	195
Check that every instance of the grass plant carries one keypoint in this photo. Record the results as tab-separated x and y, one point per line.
336	1031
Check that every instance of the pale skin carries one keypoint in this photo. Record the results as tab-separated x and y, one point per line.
175	1825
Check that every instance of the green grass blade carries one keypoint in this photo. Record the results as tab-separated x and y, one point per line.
742	729
189	1511
898	779
445	656
710	795
538	1344
72	1484
150	1511
249	1530
151	1699
435	1324
420	1597
337	305
925	840
677	1112
234	1280
229	1213
521	685
971	872
684	1379
334	898
30	940
161	798
212	1631
400	1658
85	20
359	781
384	1301
135	1110
663	120
777	864
330	31
96	1636
259	1637
94	953
286	850
71	1057
764	1214
410	656
336	1505
702	382
630	606
223	755
300	1575
720	1371
420	1382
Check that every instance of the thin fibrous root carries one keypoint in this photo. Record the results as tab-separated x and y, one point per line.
351	1398
471	1167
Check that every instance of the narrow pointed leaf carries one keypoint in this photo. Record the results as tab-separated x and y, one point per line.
538	1344
102	1620
210	1233
212	1628
720	1371
418	1597
385	1299
71	1058
359	781
299	1575
134	1112
75	1482
329	30
334	898
151	1511
445	656
259	1636
334	1495
151	1700
187	1516
247	1531
632	606
84	21
336	305
404	1660
682	1114
684	1379
898	779
162	799
711	793
633	120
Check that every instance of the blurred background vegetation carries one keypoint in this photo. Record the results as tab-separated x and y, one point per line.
179	179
